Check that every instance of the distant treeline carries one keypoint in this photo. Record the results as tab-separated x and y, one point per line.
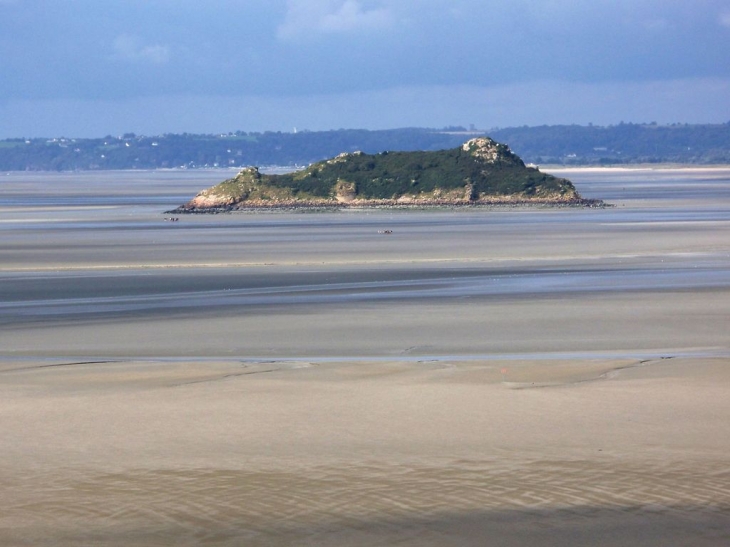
556	144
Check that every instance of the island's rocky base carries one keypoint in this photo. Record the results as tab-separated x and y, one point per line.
332	205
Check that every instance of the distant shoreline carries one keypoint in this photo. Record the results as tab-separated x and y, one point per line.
636	167
271	169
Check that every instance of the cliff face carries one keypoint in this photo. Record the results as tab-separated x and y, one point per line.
481	171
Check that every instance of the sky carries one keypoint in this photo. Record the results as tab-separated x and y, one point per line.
86	68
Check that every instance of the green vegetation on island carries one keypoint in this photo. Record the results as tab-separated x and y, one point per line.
481	171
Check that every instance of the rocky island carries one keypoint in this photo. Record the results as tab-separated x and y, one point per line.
480	172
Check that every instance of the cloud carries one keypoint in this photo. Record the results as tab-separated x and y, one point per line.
331	17
725	19
658	25
288	48
131	48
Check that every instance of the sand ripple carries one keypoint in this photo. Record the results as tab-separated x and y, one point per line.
370	504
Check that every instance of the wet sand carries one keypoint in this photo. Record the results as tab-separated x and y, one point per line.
507	377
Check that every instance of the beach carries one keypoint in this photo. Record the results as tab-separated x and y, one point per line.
507	376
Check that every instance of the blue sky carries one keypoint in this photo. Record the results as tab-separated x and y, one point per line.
90	68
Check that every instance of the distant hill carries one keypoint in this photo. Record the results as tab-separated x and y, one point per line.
240	149
625	143
557	144
481	171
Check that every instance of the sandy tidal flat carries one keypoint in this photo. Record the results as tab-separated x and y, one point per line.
506	377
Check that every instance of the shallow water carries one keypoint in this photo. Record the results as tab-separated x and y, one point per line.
80	247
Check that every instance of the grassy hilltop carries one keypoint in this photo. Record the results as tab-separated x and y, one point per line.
479	171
